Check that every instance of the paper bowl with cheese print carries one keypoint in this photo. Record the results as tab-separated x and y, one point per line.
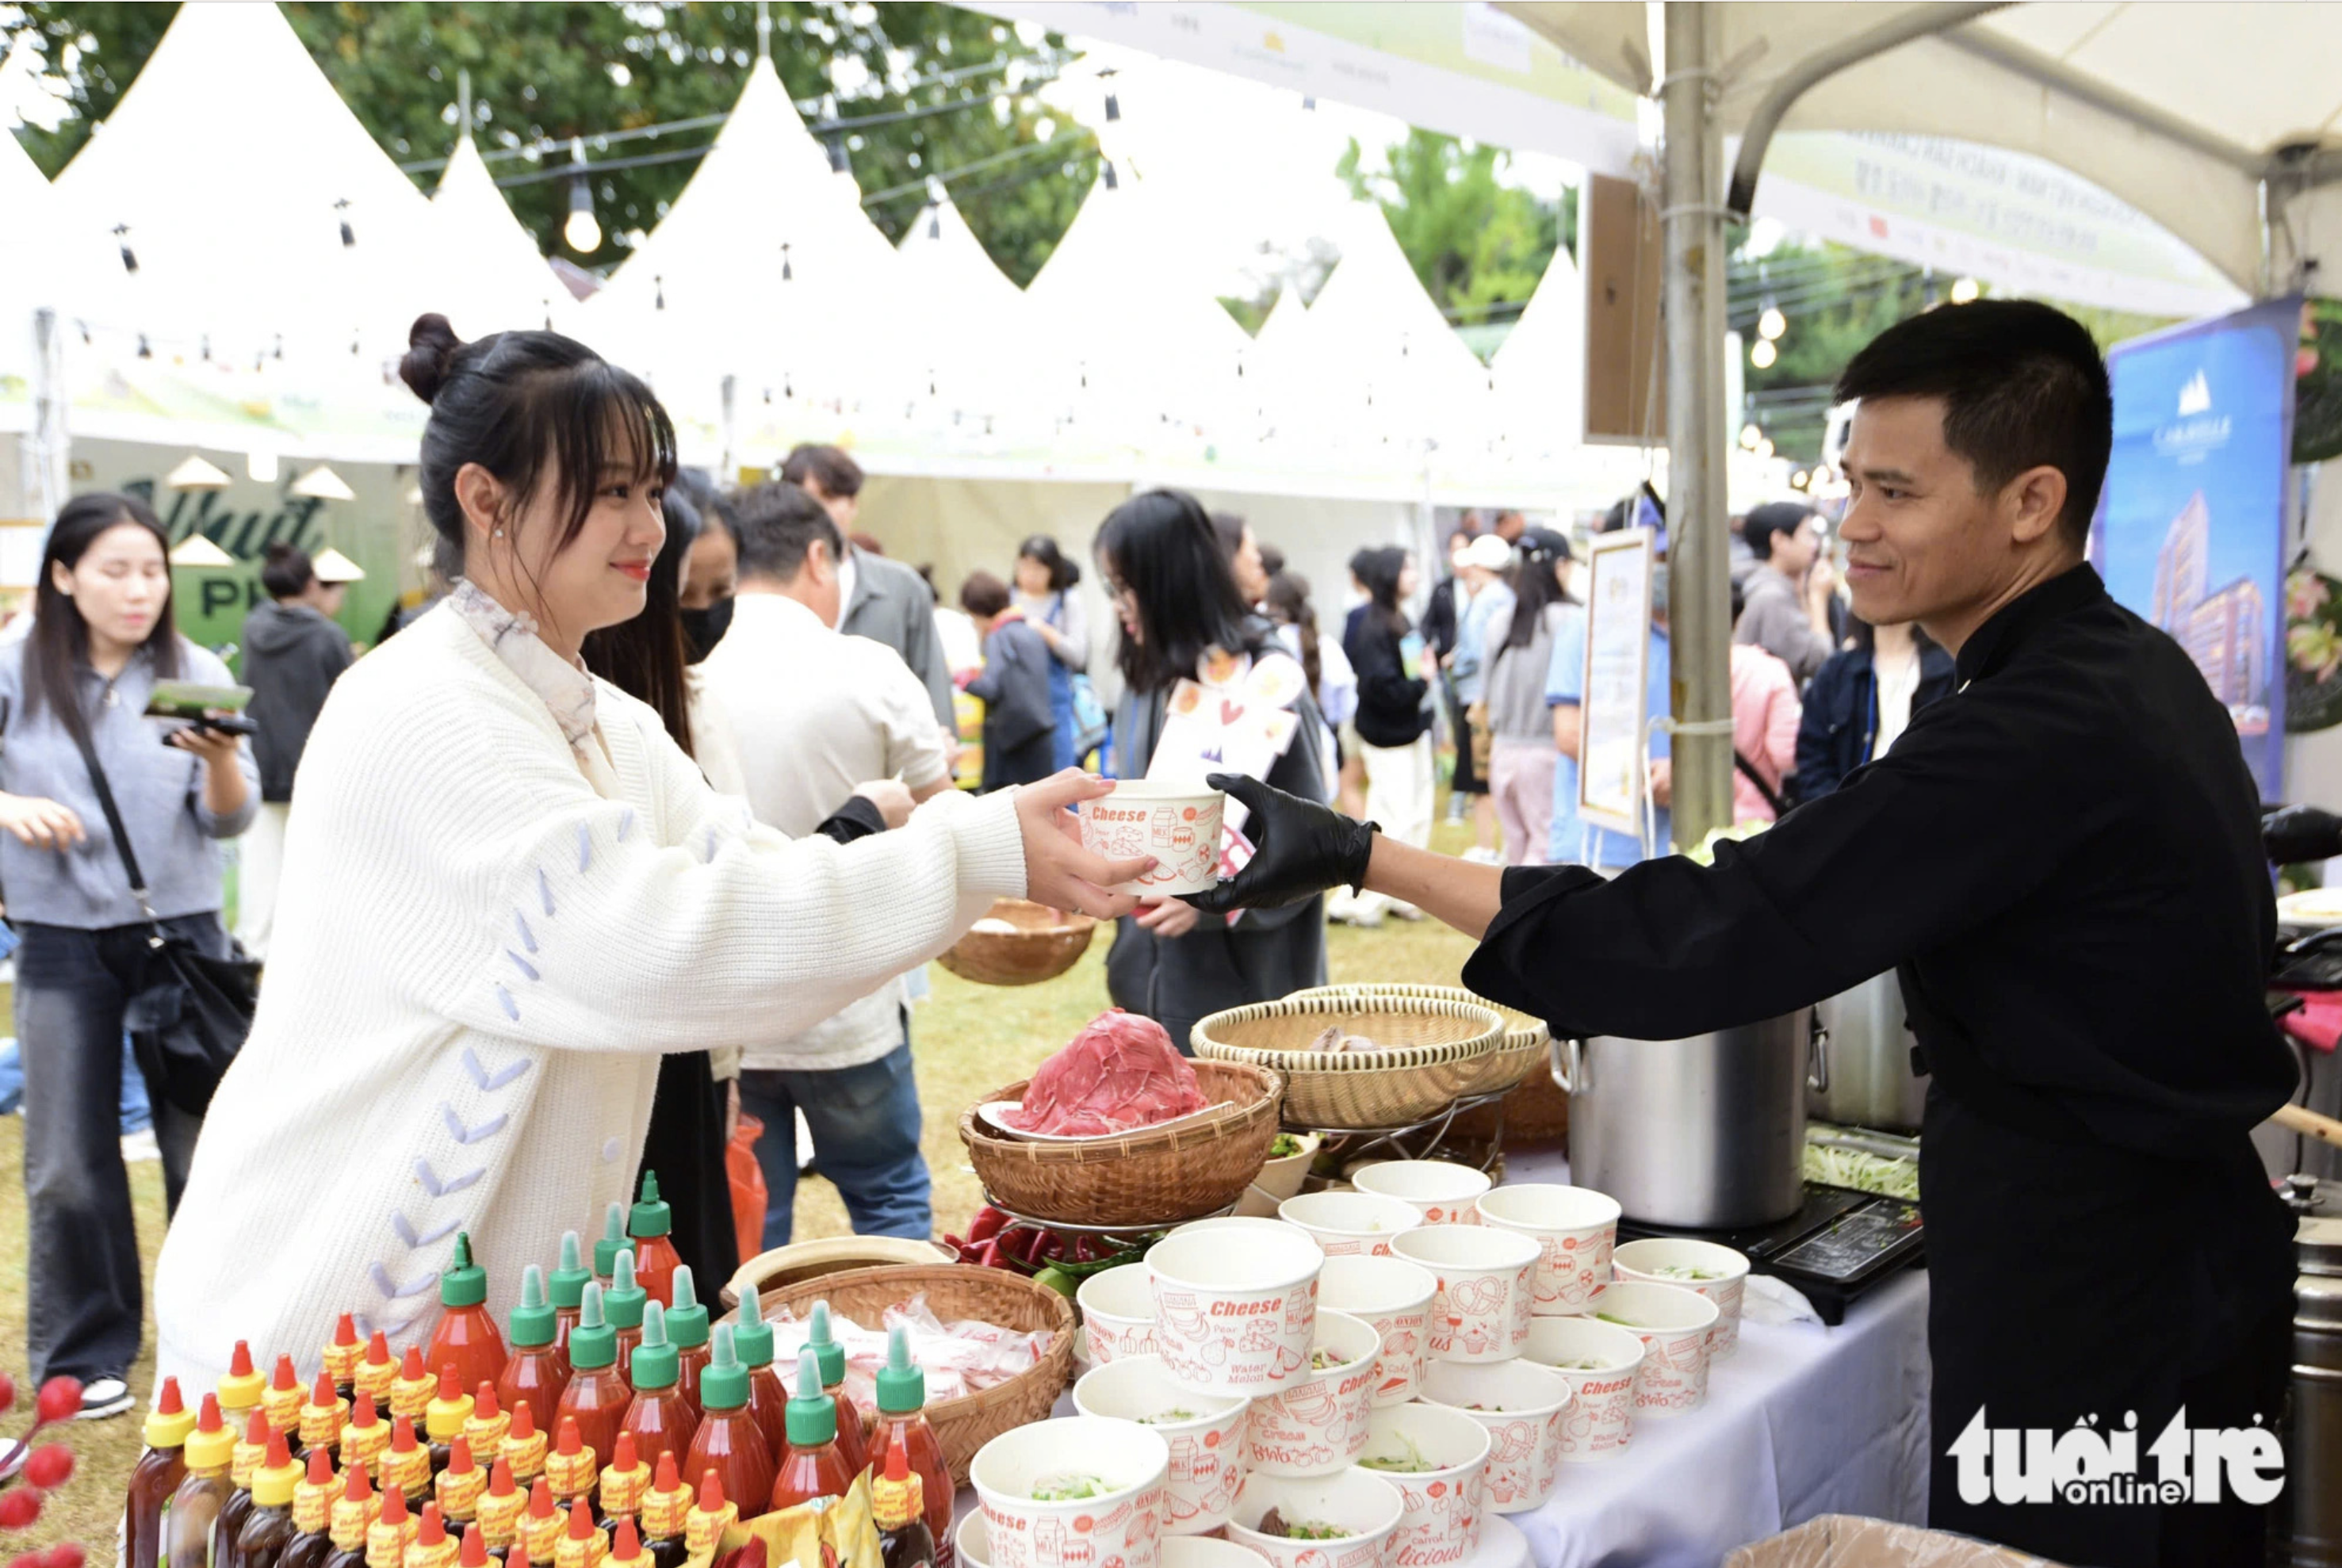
1703	1268
1122	1523
1672	1325
1316	1425
1575	1226
1523	1406
1235	1311
1441	1191
1208	1552
1204	1431
1487	1284
1357	1502
1268	1222
1441	1525
1394	1297
1350	1224
1178	824
970	1545
1601	1362
1118	1313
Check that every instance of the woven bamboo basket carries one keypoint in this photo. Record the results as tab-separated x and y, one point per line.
1433	1047
1520	1054
1535	1113
955	1291
1046	943
1151	1177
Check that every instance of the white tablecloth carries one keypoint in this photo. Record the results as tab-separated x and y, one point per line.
1803	1419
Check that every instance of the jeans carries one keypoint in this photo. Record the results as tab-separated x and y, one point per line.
865	1139
137	1115
85	1305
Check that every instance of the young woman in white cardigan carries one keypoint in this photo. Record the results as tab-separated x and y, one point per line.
506	891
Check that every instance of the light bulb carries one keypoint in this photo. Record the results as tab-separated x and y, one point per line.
1764	448
1772	324
1762	353
1965	289
582	232
1749	436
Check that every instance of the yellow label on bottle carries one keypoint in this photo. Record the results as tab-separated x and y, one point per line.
312	1506
571	1553
242	1461
622	1490
386	1544
524	1455
570	1474
408	1472
499	1518
543	1534
365	1445
351	1521
486	1434
376	1378
440	1556
321	1424
343	1361
460	1495
412	1398
703	1529
666	1513
283	1406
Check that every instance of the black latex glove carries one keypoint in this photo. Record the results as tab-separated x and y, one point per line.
1304	848
2301	833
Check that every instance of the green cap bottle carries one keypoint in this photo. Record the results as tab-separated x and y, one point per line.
651	1217
828	1354
532	1321
624	1301
752	1336
613	1245
723	1381
902	1386
465	1284
655	1364
593	1343
567	1283
811	1418
687	1320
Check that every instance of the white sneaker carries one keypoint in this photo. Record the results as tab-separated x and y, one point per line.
138	1147
103	1397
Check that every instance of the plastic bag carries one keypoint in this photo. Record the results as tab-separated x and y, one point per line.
749	1193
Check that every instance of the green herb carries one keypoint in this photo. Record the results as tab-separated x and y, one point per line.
1578	1365
1685	1272
1286	1147
1863	1172
1273	1524
1324	1361
1166	1417
1622	1323
1411	1463
1068	1488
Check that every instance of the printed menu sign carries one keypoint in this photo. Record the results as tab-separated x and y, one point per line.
1613	753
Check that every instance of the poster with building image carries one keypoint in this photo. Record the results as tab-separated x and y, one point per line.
2190	530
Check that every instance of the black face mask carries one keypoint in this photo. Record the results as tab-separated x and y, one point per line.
702	629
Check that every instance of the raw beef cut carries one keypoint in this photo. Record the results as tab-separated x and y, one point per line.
1119	1074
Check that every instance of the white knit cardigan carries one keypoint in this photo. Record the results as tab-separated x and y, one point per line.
477	960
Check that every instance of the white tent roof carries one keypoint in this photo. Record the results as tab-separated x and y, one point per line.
504	284
2174	108
1540	367
970	344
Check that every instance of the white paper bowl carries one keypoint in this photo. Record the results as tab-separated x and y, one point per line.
1118	1313
1316	1425
1672	1325
1279	1179
1600	1421
1235	1310
1350	1224
1208	1552
1268	1222
1124	1522
1639	1262
1206	1449
1487	1285
970	1545
1356	1499
1523	1407
1395	1297
1441	1191
1575	1226
1178	824
1442	1522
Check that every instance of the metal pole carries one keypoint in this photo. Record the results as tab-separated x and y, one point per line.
1699	597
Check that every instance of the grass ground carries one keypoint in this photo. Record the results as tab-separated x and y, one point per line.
969	1039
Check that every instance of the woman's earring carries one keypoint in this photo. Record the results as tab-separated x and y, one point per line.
497	535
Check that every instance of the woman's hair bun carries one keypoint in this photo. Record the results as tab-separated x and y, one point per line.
279	550
430	355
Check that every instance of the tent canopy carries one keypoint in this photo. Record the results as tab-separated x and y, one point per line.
505	283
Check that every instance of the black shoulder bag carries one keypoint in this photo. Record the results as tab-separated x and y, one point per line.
190	1012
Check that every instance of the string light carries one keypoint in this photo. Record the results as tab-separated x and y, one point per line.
1762	353
581	231
1772	324
1965	290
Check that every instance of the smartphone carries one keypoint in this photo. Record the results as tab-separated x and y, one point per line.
195	702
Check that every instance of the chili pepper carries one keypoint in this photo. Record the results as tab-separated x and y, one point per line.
988	1255
987	1223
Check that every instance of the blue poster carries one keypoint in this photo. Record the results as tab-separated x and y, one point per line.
2190	530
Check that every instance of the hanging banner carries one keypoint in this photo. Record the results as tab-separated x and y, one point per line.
2190	530
1613	759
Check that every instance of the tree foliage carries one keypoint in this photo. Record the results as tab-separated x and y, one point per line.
551	70
1477	244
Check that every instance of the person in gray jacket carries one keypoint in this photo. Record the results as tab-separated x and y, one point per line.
294	651
103	637
1789	590
884	600
1020	730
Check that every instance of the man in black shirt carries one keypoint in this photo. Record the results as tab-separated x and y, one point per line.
2061	861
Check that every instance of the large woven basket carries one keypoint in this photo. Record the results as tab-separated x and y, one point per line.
1518	1055
955	1291
1433	1047
1046	943
1147	1178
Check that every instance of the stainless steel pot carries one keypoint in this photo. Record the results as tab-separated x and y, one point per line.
1707	1133
2306	1523
1871	1083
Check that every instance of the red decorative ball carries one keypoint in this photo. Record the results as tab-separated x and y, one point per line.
8	1395
19	1506
66	1554
60	1399
30	1559
50	1467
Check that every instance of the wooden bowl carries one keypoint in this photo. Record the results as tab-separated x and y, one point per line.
1046	943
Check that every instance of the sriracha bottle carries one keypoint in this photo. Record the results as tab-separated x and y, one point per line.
686	1330
830	1356
728	1440
466	1340
902	1417
537	1370
566	1287
768	1397
813	1466
613	1245
660	1417
656	1259
623	1304
146	1510
597	1395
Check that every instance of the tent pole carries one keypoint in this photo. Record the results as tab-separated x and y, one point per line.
1693	303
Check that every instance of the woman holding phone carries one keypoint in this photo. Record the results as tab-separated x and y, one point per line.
102	637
